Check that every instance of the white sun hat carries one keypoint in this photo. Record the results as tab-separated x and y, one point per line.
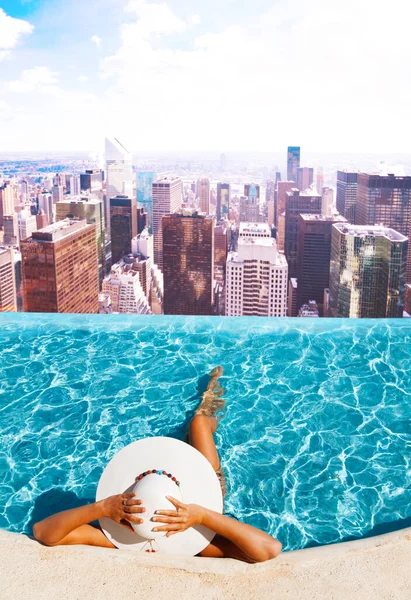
176	469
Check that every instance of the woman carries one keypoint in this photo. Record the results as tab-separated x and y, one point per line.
233	539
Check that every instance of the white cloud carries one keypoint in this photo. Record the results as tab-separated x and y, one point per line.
83	78
154	18
34	80
11	31
96	40
326	75
41	82
5	111
309	70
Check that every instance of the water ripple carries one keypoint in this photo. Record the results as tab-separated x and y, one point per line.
315	441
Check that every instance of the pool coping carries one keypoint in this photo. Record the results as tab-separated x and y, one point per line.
214	565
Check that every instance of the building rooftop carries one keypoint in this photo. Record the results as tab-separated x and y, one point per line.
127	266
307	192
254	228
190	212
167	179
80	200
58	230
375	230
332	218
263	241
280	260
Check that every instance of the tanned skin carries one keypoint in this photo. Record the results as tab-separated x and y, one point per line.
233	539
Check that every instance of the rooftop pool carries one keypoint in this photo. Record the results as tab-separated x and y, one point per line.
315	441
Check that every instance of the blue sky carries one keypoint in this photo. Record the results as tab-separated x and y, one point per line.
220	75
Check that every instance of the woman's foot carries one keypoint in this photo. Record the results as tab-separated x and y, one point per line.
216	372
212	403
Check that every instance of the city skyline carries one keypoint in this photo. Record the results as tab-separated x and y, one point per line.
36	202
134	45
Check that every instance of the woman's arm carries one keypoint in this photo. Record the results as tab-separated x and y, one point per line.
234	539
70	526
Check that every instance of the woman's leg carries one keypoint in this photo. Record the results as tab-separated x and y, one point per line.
201	437
204	423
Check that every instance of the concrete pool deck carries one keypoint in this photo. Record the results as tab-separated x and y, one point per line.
376	568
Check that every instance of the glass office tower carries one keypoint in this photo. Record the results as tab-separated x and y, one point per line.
293	162
367	272
144	187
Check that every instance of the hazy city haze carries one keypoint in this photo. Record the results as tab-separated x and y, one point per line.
215	76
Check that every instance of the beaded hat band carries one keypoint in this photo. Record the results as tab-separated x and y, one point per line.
158	472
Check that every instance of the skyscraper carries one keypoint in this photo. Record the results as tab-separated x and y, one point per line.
6	201
204	195
269	190
279	215
11	231
385	201
252	190
7	281
75	186
220	260
57	193
297	202
41	219
167	198
223	201
144	186
293	162
407	300
188	263
24	191
249	209
250	204
256	280
46	204
313	257
220	251
58	179
320	180
270	213
270	197
123	219
60	269
292	297
124	287
26	223
142	248
119	173
367	271
347	195
142	219
91	181
305	177
327	201
92	210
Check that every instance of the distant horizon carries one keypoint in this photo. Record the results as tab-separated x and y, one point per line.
216	152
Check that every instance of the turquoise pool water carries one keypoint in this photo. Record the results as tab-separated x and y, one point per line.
316	440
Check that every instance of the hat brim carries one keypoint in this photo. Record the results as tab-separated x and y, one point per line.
199	485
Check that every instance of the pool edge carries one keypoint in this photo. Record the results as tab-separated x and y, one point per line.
226	567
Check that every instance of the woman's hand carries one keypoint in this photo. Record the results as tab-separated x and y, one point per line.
123	509
180	519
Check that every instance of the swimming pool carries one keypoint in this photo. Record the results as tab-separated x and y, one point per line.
315	442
